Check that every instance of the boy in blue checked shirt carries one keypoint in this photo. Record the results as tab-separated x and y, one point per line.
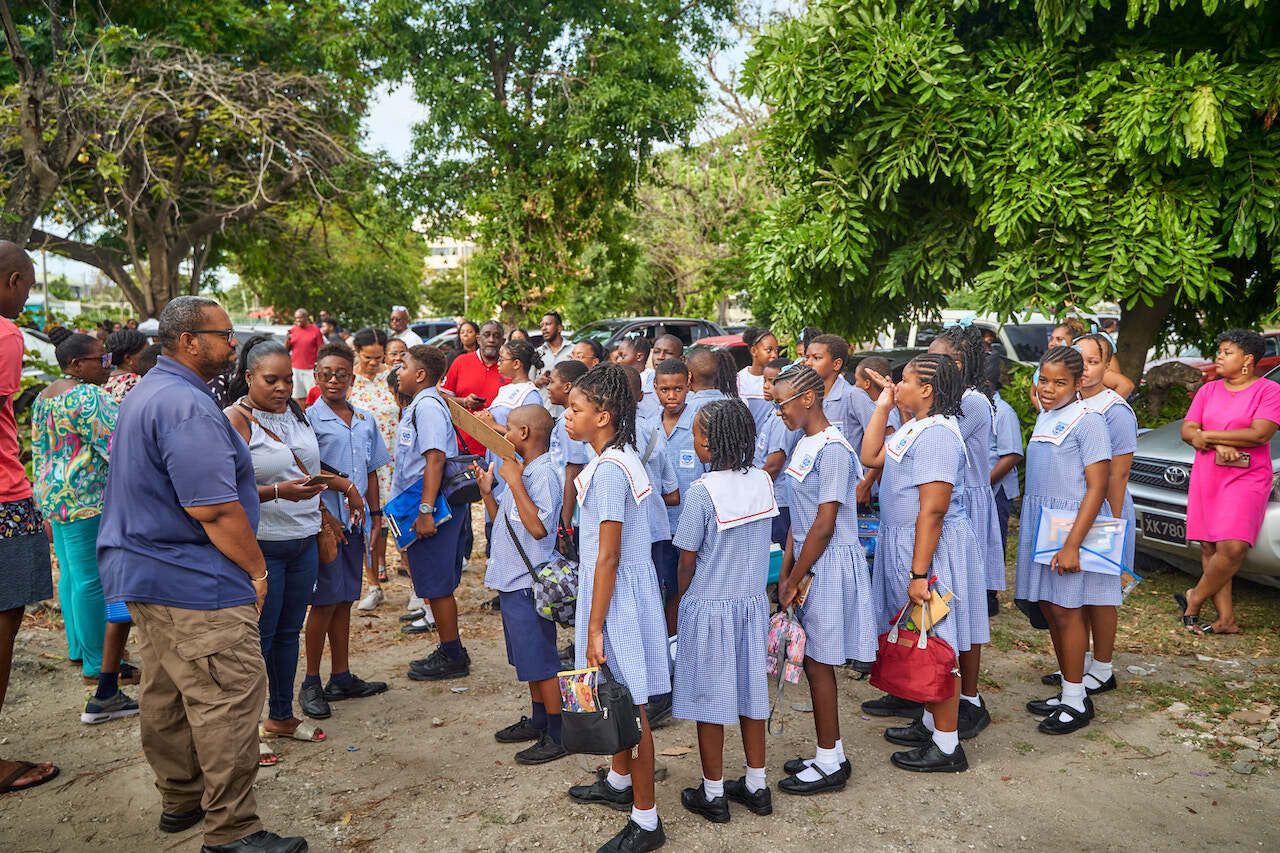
524	524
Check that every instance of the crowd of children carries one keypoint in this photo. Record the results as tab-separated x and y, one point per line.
677	480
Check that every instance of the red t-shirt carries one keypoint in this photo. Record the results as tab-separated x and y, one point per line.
13	477
469	375
306	343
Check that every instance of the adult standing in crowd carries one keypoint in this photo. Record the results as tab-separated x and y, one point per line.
554	348
71	425
25	574
369	391
400	327
125	347
468	340
285	455
177	543
303	342
1230	424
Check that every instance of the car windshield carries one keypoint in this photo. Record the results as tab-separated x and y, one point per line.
600	330
1029	340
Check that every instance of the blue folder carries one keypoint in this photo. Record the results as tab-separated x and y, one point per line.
402	511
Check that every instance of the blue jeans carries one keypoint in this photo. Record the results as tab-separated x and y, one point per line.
292	566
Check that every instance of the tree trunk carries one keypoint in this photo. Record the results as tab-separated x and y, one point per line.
1139	325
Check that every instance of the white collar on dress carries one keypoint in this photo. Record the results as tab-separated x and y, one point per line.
807	448
1103	401
514	394
897	445
740	497
1052	427
630	464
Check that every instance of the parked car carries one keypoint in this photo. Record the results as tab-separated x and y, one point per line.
1159	481
430	328
736	346
1193	357
1022	339
609	332
898	359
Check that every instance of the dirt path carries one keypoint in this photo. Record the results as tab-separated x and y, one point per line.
419	767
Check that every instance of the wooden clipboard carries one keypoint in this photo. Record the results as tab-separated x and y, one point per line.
479	430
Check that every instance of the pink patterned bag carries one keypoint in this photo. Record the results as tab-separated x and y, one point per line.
786	647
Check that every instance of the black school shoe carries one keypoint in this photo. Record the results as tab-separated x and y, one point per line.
929	759
635	839
180	821
892	706
1045	707
519	732
266	842
356	688
312	700
973	718
602	793
438	666
541	752
761	802
797	765
1054	679
1064	719
827	782
715	809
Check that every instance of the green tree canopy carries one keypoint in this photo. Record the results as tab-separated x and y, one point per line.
1045	155
542	115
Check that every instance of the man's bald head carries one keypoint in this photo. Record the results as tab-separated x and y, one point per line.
17	275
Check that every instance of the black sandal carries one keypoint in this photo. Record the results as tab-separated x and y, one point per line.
1189	622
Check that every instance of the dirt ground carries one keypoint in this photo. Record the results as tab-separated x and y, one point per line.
418	766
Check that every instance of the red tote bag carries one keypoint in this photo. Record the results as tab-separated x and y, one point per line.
914	666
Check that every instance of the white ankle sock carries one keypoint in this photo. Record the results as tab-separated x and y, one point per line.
974	700
840	750
1073	695
712	787
617	781
946	741
755	779
828	760
927	719
1100	670
647	818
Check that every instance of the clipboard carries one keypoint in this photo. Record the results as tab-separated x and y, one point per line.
479	430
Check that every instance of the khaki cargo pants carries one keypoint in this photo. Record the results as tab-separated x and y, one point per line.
203	685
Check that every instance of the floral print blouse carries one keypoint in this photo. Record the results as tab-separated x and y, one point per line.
120	384
70	443
375	396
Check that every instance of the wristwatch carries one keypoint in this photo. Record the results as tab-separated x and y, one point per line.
916	577
426	509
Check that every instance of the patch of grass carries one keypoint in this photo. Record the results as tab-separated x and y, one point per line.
1022	747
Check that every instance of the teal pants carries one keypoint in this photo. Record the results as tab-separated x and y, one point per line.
84	610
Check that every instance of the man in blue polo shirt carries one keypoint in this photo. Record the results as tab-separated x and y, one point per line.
177	544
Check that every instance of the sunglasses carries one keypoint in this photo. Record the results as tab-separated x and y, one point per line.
107	359
327	375
779	404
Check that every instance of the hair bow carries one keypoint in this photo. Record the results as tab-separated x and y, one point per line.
964	323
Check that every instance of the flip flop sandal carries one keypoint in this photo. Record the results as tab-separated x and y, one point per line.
21	768
305	731
1204	630
267	757
1188	621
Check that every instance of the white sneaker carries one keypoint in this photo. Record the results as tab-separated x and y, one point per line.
372	599
414	604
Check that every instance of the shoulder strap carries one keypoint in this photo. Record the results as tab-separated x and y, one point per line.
516	541
248	413
653	443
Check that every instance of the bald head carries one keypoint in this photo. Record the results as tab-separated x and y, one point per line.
17	275
531	424
702	369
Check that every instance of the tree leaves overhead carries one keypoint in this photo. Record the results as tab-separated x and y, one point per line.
542	116
1044	154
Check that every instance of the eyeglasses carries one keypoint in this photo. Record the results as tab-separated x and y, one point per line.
107	359
778	405
228	334
326	375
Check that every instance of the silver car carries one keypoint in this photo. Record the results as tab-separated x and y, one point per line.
1159	481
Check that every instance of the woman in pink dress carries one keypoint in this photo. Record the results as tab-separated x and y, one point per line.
1230	424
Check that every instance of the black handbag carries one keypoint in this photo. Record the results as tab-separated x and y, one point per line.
458	483
614	727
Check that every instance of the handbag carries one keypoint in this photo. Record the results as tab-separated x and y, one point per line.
785	660
555	583
326	539
914	666
458	483
614	725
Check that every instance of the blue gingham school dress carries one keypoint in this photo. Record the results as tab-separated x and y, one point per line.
1122	428
837	616
1055	478
724	618
976	498
635	631
937	455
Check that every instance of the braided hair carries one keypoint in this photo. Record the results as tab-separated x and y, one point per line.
940	373
967	342
802	378
125	343
1069	357
726	373
1104	345
731	434
523	352
606	386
